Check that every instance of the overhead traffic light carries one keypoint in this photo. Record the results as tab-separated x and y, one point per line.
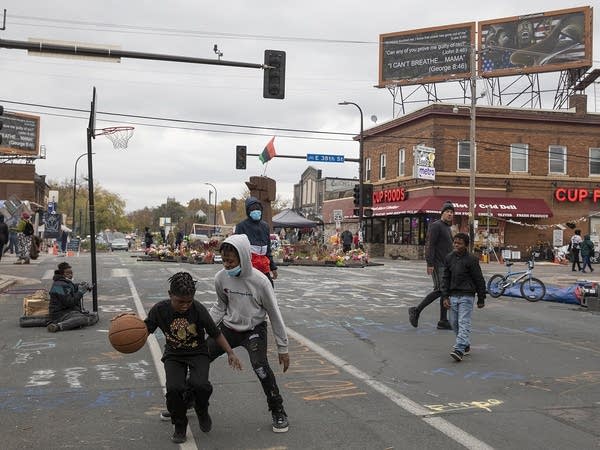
240	157
367	195
356	195
274	77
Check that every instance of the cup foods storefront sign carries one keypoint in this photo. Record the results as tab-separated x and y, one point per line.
575	195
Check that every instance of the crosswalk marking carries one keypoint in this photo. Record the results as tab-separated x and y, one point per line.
48	274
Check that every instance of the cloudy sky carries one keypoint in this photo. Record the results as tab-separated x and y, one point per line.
332	56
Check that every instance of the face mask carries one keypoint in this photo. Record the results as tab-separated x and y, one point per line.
234	272
256	214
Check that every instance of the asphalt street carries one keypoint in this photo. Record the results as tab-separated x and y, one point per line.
361	376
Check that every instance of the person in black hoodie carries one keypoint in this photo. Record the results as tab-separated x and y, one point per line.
66	311
461	281
3	235
259	235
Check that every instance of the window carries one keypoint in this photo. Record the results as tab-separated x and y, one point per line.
401	161
368	169
464	155
557	159
594	161
519	157
407	230
382	164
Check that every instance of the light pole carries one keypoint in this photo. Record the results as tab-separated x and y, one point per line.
360	170
215	218
472	150
75	189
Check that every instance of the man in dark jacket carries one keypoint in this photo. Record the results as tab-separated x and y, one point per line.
461	281
438	244
259	235
347	240
66	312
3	235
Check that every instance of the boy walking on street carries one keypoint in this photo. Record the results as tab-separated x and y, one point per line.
245	297
461	281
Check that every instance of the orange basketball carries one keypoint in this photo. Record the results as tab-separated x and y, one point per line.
127	333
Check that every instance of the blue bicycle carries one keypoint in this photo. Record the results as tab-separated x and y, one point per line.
532	289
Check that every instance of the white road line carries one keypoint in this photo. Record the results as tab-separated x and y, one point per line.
120	273
156	353
48	274
452	431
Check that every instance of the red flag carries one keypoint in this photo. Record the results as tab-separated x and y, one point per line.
269	152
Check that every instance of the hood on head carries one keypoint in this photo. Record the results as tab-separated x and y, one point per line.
251	201
242	245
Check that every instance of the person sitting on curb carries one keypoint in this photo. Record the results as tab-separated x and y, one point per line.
66	311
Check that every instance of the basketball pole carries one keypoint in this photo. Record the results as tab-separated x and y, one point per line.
90	135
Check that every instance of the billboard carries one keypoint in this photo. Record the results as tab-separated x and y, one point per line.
544	42
427	55
20	135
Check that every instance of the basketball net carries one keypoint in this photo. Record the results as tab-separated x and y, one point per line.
119	136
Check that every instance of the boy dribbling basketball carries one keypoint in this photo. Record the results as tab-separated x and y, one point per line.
183	321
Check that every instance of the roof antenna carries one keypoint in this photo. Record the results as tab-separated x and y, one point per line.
4	21
217	51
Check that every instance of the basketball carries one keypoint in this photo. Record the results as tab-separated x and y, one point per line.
127	333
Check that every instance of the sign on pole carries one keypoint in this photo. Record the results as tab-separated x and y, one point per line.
424	162
325	158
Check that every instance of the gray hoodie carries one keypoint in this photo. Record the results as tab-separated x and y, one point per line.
244	301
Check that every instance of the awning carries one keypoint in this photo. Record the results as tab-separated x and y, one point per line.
526	208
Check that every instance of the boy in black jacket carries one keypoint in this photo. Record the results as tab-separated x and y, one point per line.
461	280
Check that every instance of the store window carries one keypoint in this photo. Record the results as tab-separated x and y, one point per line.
374	231
368	169
557	159
401	161
519	157
382	166
407	230
594	161
464	155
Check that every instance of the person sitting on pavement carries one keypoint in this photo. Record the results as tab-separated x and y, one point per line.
66	310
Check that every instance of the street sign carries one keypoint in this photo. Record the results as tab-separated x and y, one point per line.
325	158
338	215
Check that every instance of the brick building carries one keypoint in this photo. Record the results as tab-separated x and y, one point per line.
536	172
20	181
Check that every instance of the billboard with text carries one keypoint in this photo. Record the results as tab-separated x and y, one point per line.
543	42
20	135
427	55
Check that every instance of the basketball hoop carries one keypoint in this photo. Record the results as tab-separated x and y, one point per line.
119	136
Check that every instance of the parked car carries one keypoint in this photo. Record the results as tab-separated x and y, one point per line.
119	244
198	237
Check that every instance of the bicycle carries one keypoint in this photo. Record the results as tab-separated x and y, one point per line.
532	289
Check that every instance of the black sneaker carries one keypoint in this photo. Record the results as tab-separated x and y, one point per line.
165	415
204	420
413	316
53	328
457	355
280	421
444	325
179	434
467	350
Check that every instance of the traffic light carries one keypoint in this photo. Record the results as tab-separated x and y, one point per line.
274	77
1	123
240	157
367	195
368	212
356	195
356	211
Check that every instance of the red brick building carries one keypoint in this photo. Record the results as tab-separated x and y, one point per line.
22	182
536	172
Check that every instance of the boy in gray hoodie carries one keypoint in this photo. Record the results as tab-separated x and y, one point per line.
245	297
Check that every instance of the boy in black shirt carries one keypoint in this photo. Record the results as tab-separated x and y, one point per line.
183	321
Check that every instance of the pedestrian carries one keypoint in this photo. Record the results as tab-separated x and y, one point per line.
178	239
259	235
587	251
3	235
24	233
461	281
356	241
171	239
347	240
184	321
63	241
66	309
12	240
438	243
244	300
148	240
574	247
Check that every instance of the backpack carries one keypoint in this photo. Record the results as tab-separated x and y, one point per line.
28	231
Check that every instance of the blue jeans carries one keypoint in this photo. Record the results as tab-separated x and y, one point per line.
460	318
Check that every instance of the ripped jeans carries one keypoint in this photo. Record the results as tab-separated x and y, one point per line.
255	343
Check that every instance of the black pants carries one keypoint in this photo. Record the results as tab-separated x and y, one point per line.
436	276
76	319
255	343
575	256
178	382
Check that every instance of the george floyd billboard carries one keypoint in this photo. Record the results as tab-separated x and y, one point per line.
20	135
427	55
543	42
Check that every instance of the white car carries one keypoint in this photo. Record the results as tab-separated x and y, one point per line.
198	237
119	244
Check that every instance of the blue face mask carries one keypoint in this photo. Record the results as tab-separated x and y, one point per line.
256	214
234	272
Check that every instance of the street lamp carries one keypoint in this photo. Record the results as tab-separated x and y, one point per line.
75	189
360	170
215	218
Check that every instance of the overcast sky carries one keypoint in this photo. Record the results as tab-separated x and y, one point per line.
332	56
